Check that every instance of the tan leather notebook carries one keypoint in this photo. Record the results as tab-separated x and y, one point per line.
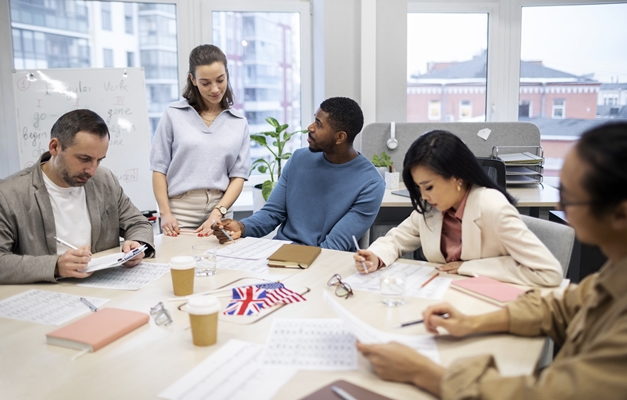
294	256
98	329
488	289
357	392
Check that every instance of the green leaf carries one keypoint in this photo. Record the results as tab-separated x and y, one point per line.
259	139
262	168
272	122
287	136
281	128
266	188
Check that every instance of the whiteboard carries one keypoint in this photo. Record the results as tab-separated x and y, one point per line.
118	95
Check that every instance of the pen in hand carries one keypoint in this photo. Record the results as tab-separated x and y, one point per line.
66	244
363	263
420	321
223	230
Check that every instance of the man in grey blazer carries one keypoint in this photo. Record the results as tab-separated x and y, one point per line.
66	195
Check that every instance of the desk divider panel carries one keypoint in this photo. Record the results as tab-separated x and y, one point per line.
375	136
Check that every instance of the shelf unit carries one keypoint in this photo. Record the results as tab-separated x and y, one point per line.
524	165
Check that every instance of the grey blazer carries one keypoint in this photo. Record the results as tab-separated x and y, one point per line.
28	250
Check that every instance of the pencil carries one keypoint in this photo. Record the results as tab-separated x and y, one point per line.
430	279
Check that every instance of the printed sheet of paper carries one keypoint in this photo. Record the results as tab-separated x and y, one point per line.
233	372
250	248
416	276
240	264
46	307
104	262
123	278
311	344
365	333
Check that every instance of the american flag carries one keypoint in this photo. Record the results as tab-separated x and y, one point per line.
247	300
276	292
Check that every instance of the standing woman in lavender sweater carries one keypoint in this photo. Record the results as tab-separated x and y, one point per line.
200	154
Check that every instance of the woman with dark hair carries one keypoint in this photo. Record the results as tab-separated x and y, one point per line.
588	320
201	150
462	219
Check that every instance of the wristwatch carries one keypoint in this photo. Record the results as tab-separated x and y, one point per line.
222	209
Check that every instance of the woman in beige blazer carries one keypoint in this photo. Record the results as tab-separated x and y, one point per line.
447	185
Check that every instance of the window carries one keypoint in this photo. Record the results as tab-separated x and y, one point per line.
450	67
130	59
558	108
524	108
107	58
76	38
267	80
569	76
105	15
435	110
128	18
465	109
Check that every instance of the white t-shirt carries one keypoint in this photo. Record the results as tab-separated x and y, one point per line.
71	218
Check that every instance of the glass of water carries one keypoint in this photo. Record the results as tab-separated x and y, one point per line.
393	288
205	256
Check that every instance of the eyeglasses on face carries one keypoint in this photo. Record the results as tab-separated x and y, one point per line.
563	204
341	289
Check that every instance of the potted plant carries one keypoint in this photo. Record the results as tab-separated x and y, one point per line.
382	162
275	142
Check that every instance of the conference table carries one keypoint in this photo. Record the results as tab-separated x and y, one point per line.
146	361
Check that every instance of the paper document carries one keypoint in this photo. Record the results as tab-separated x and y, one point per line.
416	276
311	344
46	307
365	333
240	264
124	278
233	372
250	248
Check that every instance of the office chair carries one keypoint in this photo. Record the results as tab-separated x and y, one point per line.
495	170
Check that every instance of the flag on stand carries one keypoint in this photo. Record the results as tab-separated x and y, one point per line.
247	300
276	292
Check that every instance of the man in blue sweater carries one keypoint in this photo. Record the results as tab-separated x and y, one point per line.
326	194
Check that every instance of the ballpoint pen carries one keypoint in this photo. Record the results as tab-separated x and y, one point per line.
132	253
342	393
88	304
66	244
363	263
420	321
223	231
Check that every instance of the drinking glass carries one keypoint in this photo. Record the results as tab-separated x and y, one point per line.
205	256
393	288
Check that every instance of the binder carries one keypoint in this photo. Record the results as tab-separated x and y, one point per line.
294	256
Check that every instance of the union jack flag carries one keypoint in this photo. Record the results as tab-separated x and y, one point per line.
247	300
276	292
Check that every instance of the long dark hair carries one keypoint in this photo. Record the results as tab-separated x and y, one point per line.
445	154
206	54
604	149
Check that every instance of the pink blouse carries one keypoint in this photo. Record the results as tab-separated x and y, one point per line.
451	240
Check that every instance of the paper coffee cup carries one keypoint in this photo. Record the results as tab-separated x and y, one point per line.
203	317
183	270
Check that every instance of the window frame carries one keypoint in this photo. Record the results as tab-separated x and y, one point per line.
303	8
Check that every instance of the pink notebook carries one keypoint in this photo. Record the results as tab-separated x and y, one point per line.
488	289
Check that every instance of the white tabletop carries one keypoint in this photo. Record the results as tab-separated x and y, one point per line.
149	359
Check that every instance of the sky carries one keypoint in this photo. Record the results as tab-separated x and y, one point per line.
575	39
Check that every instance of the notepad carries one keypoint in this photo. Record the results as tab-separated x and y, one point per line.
98	329
294	256
488	289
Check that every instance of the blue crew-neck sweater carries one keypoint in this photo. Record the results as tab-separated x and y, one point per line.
318	203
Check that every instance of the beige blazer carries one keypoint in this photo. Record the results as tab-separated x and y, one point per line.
495	242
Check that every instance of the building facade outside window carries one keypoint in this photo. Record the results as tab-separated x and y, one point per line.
559	106
105	16
435	110
107	58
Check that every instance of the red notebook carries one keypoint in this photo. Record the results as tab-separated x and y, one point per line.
488	289
98	329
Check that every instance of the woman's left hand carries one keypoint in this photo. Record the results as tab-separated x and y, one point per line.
451	267
205	228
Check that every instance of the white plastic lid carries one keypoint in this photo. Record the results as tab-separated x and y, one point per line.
182	262
203	305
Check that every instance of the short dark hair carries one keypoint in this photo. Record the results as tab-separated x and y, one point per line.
206	54
604	149
70	123
344	115
446	155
